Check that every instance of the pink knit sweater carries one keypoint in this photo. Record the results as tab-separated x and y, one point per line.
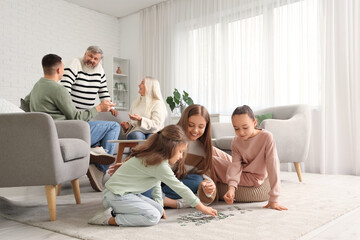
252	161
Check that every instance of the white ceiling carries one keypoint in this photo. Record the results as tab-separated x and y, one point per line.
116	8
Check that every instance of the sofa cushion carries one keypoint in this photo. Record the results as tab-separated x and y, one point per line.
220	129
8	107
224	143
107	116
73	148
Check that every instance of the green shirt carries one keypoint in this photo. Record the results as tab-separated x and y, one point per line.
134	177
50	97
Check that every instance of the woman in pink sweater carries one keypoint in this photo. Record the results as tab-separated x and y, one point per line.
254	158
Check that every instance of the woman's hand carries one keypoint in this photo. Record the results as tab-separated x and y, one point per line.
229	195
112	169
209	187
275	205
125	125
135	117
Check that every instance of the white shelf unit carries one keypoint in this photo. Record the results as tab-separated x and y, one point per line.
118	84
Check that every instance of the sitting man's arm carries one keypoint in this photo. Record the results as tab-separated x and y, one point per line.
25	103
66	106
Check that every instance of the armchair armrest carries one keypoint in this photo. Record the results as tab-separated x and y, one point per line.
291	135
73	129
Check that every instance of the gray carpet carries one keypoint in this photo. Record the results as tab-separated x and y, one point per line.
313	203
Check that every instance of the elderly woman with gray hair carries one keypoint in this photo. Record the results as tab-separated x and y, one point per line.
147	113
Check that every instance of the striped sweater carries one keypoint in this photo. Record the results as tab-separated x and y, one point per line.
84	83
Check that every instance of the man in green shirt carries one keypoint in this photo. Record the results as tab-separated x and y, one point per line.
50	97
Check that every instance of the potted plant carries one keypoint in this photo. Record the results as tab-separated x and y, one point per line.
179	100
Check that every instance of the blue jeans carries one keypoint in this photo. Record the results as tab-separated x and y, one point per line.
138	135
100	133
192	181
133	209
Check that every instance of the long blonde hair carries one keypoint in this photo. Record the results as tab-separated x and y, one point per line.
205	139
160	146
152	93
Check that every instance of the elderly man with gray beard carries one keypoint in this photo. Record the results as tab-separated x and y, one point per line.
85	79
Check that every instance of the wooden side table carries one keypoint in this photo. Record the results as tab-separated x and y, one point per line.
122	145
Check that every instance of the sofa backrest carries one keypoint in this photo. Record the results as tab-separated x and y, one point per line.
221	130
107	116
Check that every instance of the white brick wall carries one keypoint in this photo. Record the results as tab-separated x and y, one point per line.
29	29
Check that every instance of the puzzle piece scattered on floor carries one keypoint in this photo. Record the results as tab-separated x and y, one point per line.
199	218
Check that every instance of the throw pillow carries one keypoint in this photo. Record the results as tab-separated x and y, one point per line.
262	117
8	107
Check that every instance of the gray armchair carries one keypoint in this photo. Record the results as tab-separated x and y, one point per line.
290	126
36	151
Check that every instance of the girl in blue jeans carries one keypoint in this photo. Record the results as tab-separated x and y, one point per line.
149	165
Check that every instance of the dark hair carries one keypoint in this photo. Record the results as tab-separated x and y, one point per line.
205	139
245	109
160	146
50	63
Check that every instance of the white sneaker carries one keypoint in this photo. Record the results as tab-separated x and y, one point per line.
181	203
101	218
96	178
98	151
99	155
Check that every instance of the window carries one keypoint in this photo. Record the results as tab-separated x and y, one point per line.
268	57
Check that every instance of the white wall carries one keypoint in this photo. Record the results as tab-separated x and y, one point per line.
31	29
129	48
